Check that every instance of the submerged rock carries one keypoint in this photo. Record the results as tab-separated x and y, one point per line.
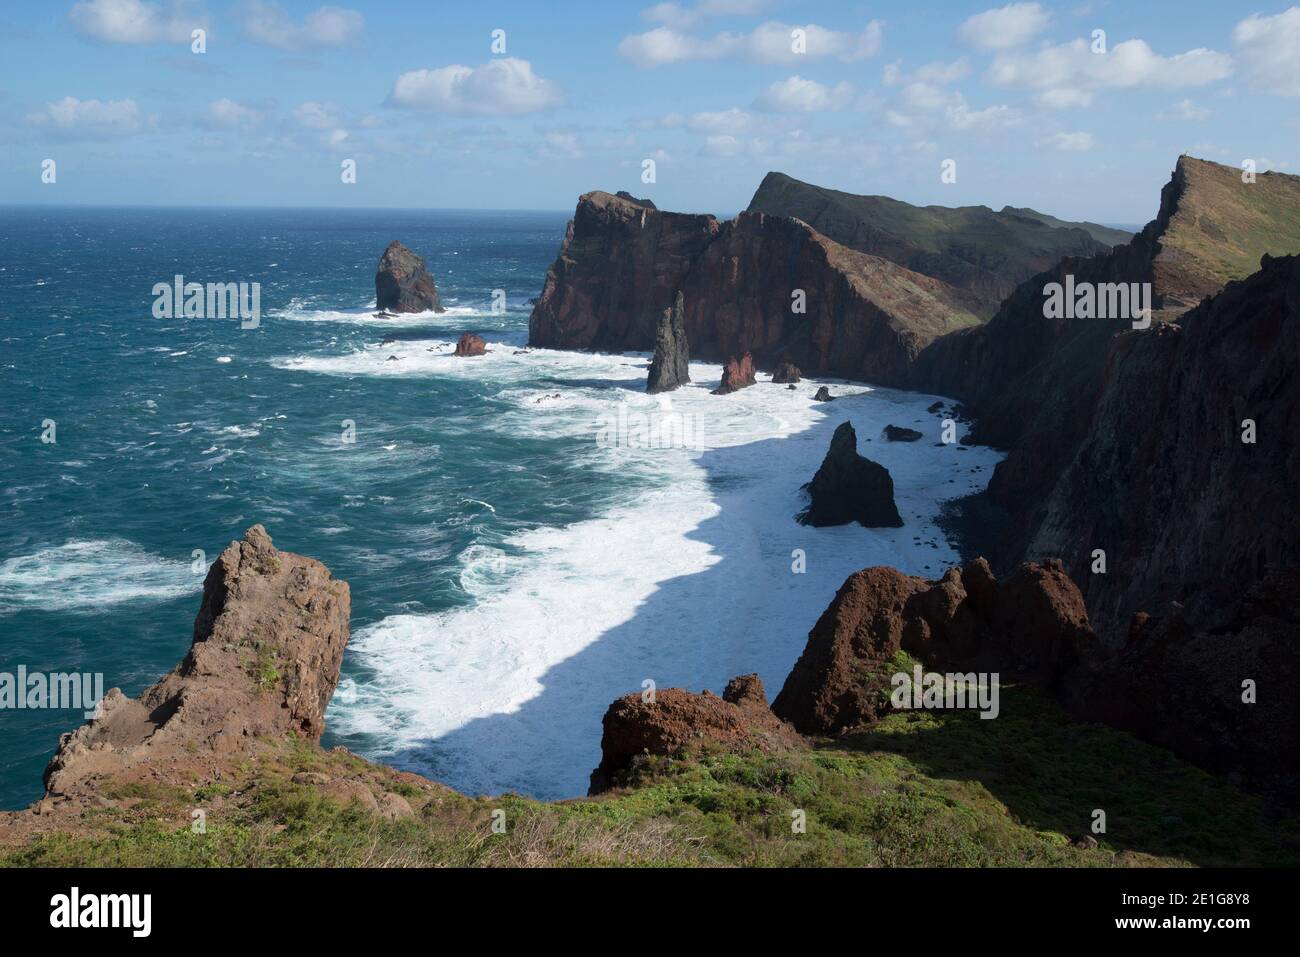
403	284
737	374
851	488
470	344
671	366
785	372
896	433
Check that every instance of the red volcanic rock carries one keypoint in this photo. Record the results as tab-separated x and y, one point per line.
268	643
736	374
1032	625
403	284
470	345
738	721
839	680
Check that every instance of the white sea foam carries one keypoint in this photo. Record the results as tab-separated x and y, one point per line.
87	575
687	584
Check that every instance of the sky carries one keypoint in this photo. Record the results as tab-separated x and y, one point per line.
1079	109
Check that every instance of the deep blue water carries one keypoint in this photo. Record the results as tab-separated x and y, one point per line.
162	450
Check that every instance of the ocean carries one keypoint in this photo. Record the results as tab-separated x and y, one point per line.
520	548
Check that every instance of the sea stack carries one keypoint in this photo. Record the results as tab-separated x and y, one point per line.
736	374
671	366
470	344
786	372
403	284
851	488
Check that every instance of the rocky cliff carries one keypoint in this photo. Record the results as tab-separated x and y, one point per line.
767	285
1036	384
983	253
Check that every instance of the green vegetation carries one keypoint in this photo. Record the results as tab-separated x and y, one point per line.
919	789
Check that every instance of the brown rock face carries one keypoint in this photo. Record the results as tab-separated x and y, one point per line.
851	488
761	284
737	374
1032	625
470	344
740	720
619	269
839	681
403	284
268	643
971	249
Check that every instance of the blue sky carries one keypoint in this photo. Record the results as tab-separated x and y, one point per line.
713	91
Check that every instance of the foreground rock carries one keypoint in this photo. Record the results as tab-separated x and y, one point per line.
470	344
737	374
851	488
670	368
740	720
403	284
823	394
268	642
1033	625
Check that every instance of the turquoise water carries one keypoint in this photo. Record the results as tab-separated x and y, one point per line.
162	450
512	570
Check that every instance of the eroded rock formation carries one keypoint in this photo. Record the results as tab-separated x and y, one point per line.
470	344
670	367
851	488
737	374
403	283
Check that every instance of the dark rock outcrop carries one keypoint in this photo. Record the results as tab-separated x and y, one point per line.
786	372
670	368
403	284
624	194
823	394
470	344
739	721
736	374
268	643
896	433
851	488
762	284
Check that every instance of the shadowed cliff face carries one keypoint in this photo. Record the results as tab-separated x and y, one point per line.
1038	388
854	315
982	253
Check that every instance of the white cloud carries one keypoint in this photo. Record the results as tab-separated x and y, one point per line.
1069	142
502	87
317	116
93	119
734	120
1010	26
962	117
561	146
230	115
797	95
1269	50
722	145
1128	65
1065	99
133	21
328	26
771	42
1185	110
